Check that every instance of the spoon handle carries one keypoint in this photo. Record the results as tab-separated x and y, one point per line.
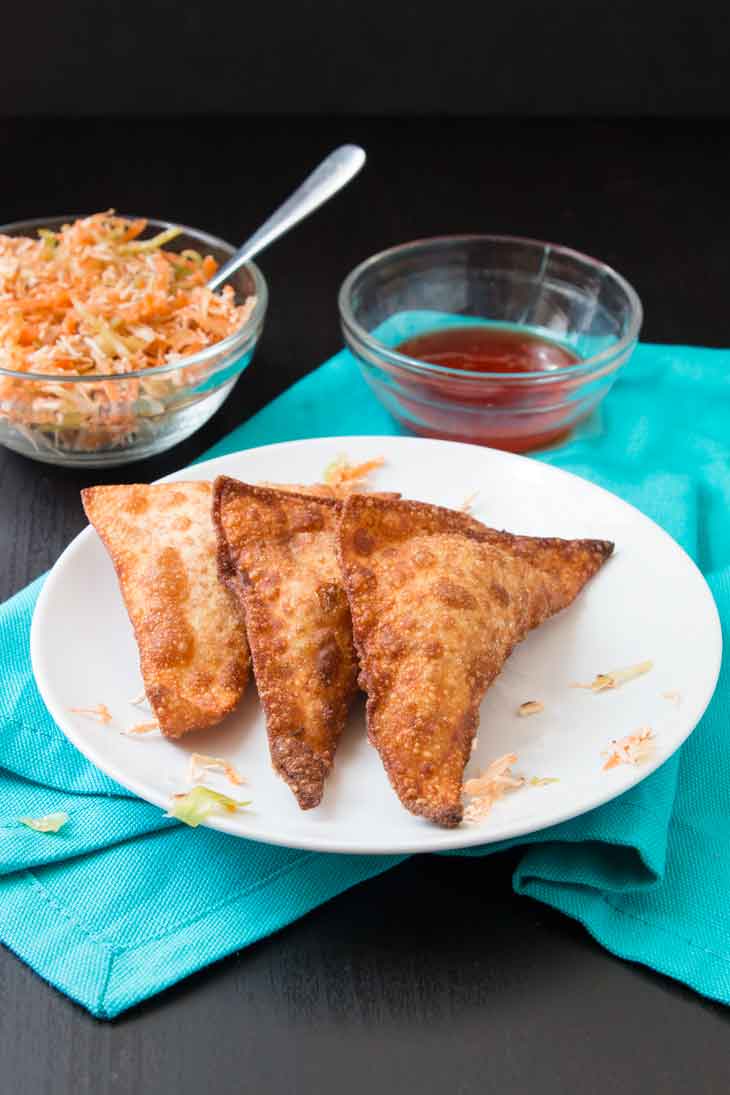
331	175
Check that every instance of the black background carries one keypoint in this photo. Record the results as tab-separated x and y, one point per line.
433	978
392	57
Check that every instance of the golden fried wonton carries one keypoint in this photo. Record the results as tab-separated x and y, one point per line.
189	628
438	602
277	552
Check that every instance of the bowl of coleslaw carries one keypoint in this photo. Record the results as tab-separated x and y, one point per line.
112	347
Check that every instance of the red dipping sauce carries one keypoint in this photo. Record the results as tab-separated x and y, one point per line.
448	409
488	350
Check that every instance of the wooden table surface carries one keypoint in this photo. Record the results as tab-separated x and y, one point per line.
433	977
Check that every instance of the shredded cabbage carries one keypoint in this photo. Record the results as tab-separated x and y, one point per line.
468	504
605	681
196	805
50	823
141	246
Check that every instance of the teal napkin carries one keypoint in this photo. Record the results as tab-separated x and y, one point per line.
123	902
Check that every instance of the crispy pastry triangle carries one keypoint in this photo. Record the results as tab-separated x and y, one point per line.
277	552
438	602
189	628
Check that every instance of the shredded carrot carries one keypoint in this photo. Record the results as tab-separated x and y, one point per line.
493	783
633	749
143	727
94	299
100	713
345	477
200	763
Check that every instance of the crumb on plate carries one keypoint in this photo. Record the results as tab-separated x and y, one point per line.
530	707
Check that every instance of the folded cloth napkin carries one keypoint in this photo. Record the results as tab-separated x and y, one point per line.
123	902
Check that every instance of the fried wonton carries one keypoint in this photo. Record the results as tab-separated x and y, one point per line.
277	552
189	628
438	602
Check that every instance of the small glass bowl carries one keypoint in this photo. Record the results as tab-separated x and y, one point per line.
549	291
149	410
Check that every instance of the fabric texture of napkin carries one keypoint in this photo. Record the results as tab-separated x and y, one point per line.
122	902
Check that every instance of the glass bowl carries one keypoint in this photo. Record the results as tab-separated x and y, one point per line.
525	285
147	411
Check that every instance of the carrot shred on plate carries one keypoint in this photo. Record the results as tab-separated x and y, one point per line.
143	727
200	764
100	713
341	475
488	788
633	749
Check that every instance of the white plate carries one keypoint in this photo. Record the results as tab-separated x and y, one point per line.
648	602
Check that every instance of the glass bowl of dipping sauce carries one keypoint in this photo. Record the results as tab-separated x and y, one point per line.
493	340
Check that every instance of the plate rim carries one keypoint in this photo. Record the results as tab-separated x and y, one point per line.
462	837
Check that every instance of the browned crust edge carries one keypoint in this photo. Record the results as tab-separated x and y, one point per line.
440	519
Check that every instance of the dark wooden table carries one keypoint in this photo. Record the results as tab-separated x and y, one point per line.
434	977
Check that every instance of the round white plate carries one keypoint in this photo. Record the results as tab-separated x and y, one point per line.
649	602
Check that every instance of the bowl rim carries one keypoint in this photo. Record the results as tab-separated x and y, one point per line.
228	344
584	365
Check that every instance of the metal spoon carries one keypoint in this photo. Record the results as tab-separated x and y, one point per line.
331	175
